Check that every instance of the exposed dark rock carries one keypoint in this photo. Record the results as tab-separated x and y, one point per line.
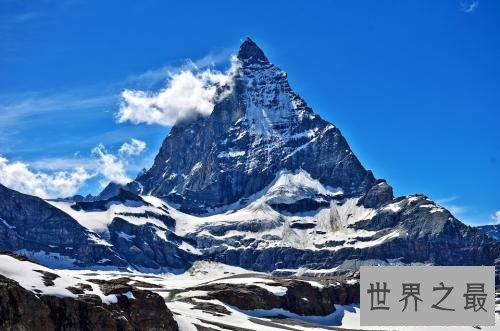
167	220
378	195
114	286
301	297
251	53
302	225
211	308
491	230
29	225
110	191
47	277
123	196
300	206
22	310
143	247
80	288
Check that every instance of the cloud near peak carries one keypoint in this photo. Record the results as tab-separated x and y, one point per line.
469	6
495	218
135	147
188	92
110	166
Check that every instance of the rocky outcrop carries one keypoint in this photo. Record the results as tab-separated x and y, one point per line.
491	230
35	228
21	309
300	297
378	195
148	247
121	197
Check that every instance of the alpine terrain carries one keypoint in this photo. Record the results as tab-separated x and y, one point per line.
263	193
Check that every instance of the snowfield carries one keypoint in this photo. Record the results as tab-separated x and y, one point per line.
175	290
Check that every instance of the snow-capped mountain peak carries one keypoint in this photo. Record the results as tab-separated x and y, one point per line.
259	129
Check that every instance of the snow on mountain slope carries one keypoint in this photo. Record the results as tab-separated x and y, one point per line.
98	221
257	220
43	280
295	215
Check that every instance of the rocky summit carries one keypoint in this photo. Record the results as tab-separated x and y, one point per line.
257	129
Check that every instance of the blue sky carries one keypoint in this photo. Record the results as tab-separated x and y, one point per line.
413	85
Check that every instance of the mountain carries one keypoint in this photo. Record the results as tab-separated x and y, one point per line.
260	128
262	183
265	183
491	230
34	228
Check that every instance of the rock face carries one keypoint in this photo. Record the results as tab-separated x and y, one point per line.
298	297
261	127
33	297
34	228
143	247
491	230
21	309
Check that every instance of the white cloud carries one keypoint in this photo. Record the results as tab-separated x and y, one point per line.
63	177
110	167
135	147
456	209
17	176
469	6
495	218
188	92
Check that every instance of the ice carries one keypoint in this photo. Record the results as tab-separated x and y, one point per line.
126	236
231	154
7	224
54	260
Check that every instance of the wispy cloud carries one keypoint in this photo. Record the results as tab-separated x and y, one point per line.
132	148
450	203
469	6
495	218
110	166
19	107
64	163
24	17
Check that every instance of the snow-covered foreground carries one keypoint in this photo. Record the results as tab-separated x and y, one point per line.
183	301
